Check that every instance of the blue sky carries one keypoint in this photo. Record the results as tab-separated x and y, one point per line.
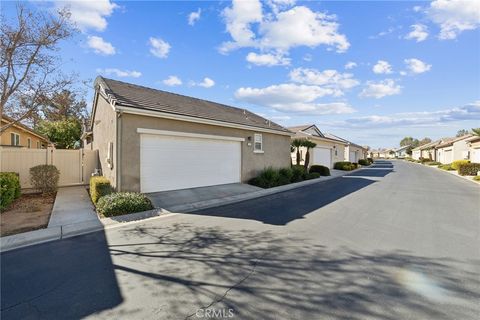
371	72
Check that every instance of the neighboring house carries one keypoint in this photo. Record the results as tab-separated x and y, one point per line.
326	153
401	152
473	144
380	153
150	140
426	151
452	149
21	136
353	152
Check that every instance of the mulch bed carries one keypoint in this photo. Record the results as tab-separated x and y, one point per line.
27	213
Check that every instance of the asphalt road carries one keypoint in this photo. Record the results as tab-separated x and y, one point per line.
398	241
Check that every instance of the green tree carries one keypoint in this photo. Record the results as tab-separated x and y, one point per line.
309	145
462	132
424	141
65	134
476	131
297	144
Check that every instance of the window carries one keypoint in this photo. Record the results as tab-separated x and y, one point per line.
15	139
38	144
257	143
29	143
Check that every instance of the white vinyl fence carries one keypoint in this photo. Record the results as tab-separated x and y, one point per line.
76	166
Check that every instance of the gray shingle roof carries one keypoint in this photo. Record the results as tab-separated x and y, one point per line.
131	95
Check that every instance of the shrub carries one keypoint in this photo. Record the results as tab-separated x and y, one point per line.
312	175
447	167
45	178
115	204
456	164
99	187
344	165
298	173
9	188
363	162
476	178
432	163
370	160
285	176
468	169
322	170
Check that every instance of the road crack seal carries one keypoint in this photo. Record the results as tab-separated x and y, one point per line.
224	295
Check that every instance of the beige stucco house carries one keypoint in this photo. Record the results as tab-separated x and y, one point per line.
473	144
453	149
150	140
327	151
426	151
21	136
353	152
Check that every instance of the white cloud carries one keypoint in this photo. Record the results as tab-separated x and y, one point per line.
381	89
417	8
172	81
100	46
267	59
350	65
417	66
89	14
382	67
159	48
419	32
293	98
331	79
120	73
454	16
421	119
206	83
280	30
194	16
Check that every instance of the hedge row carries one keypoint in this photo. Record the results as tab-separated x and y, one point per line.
468	169
345	165
120	203
9	188
270	177
456	164
322	170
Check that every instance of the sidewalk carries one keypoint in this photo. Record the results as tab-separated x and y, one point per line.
72	214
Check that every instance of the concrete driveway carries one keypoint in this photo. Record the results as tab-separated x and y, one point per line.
396	241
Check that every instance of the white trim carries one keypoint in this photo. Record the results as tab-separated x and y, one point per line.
255	135
188	134
165	115
258	151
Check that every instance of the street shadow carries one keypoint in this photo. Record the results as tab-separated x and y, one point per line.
259	275
63	283
278	209
370	173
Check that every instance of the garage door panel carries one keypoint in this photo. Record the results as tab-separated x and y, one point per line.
353	156
322	156
169	163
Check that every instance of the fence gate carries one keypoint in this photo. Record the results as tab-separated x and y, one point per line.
76	166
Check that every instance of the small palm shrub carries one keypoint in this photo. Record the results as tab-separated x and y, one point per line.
99	187
9	188
115	204
456	164
298	173
322	170
285	176
45	178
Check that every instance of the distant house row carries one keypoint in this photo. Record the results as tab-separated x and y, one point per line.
21	136
447	150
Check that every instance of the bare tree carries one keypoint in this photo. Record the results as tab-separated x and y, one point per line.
30	72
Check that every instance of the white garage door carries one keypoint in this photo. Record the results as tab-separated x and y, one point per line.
476	155
322	156
179	162
448	156
353	156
